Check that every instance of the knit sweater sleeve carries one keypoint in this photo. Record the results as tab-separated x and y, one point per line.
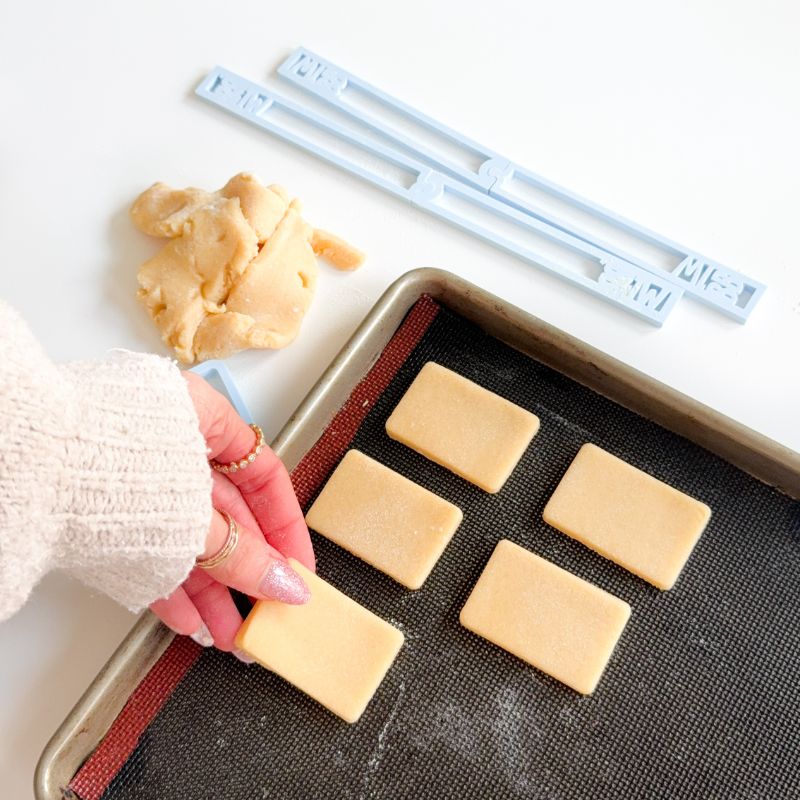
103	472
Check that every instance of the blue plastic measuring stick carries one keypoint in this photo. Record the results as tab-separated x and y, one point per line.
216	373
721	288
600	273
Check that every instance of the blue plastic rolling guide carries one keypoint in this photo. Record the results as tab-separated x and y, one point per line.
598	272
492	201
218	375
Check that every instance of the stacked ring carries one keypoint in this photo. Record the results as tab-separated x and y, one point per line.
226	549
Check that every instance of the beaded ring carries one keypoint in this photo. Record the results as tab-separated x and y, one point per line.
242	463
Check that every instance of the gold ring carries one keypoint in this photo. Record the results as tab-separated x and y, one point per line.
227	548
247	460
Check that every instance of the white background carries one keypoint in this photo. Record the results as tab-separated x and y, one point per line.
682	115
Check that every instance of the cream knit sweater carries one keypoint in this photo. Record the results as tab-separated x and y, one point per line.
103	472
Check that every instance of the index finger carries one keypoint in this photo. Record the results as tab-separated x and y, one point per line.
264	484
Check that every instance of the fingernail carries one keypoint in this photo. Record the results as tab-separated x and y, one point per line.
282	583
202	636
243	657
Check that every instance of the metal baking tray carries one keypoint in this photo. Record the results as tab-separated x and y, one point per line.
757	455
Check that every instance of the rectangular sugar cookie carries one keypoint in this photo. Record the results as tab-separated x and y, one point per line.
383	518
462	426
331	648
626	515
546	616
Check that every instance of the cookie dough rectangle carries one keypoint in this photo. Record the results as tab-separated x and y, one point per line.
383	518
626	515
546	616
462	426
331	648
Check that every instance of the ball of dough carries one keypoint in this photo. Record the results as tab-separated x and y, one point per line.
239	270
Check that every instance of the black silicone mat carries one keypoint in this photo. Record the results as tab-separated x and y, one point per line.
701	698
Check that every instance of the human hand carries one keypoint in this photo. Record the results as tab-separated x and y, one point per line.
261	500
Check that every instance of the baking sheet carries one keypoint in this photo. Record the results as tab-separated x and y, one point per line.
701	699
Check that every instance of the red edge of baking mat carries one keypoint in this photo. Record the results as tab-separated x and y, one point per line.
97	772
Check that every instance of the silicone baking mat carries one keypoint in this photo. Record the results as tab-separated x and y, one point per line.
700	700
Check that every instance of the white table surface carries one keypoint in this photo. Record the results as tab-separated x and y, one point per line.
684	116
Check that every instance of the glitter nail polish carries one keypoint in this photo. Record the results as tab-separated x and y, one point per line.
281	582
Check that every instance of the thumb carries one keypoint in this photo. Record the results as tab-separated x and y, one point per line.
253	567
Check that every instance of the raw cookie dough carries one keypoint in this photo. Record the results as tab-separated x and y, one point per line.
191	276
239	270
341	254
626	515
383	518
266	305
331	648
163	211
462	426
546	616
